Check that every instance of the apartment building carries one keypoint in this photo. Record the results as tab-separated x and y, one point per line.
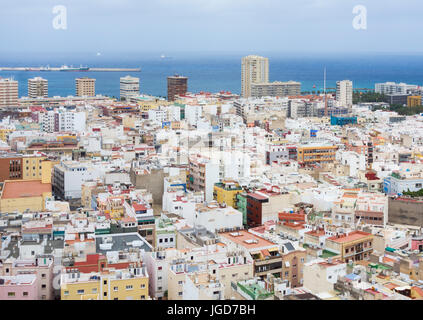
129	87
352	246
61	120
371	209
400	181
8	92
344	93
264	205
202	175
176	86
394	88
226	192
68	177
315	153
414	101
19	287
276	89
85	87
128	284
254	69
321	276
41	266
267	255
37	87
215	266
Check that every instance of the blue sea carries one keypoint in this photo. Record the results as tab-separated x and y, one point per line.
213	72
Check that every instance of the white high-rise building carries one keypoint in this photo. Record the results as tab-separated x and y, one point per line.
37	87
254	69
394	88
344	93
129	87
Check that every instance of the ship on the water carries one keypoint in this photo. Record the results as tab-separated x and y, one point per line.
66	68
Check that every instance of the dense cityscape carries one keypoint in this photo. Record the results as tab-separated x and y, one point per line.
274	194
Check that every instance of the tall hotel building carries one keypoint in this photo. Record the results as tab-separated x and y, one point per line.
176	85
37	87
254	69
129	87
8	93
344	93
85	87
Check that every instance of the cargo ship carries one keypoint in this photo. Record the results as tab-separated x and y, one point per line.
66	68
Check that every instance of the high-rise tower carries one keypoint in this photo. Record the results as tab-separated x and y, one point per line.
254	69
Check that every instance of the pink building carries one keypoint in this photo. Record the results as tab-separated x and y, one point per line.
417	243
41	267
19	287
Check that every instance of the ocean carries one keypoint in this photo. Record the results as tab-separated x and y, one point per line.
213	72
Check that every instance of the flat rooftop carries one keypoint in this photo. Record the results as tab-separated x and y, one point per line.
22	189
247	239
352	236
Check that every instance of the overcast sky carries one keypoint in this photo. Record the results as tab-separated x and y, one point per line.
211	25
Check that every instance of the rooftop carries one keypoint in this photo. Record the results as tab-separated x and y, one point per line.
21	189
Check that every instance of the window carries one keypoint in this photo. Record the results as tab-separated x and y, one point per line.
180	282
43	286
10	294
25	294
66	293
180	293
116	299
43	275
142	297
159	268
115	288
105	294
129	287
105	282
80	291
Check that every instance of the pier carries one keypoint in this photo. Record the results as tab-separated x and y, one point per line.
35	69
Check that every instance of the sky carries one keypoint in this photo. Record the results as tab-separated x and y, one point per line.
247	26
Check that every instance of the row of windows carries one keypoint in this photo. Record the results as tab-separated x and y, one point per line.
115	289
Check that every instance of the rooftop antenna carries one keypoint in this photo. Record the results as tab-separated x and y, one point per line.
324	90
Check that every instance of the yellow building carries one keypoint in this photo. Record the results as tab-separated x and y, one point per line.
22	195
313	154
36	168
414	101
353	246
4	134
226	191
127	284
